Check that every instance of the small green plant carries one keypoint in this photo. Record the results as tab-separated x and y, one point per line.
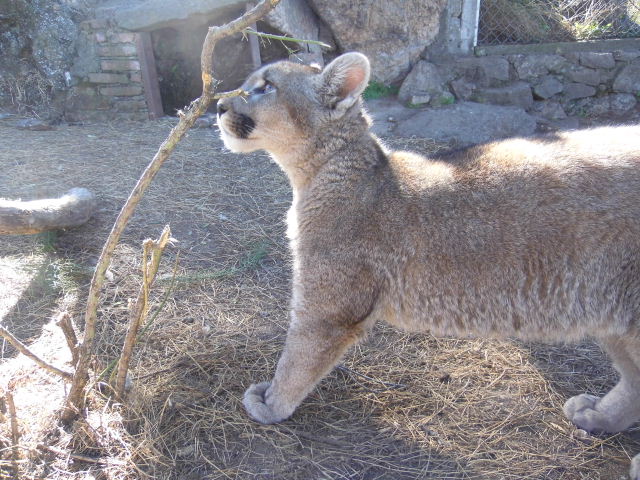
447	100
377	90
249	262
47	240
590	30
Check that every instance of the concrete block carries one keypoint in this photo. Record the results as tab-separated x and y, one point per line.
120	65
125	91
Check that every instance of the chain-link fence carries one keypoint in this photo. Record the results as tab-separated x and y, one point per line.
541	21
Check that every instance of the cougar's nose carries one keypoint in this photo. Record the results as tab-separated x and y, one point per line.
221	107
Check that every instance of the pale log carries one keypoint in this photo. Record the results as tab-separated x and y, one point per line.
72	209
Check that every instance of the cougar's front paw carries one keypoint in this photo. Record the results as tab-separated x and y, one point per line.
583	412
260	406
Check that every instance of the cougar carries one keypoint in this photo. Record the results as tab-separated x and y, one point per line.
536	239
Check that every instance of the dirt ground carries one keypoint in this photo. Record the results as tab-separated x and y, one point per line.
400	406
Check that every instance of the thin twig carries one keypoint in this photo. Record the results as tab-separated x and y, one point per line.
283	38
22	348
15	431
75	399
152	252
65	323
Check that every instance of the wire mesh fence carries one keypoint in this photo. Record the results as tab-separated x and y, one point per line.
541	21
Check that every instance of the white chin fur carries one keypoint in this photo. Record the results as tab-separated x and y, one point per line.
237	145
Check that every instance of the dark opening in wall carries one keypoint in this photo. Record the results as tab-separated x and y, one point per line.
177	54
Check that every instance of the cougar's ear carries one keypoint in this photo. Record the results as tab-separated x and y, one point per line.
343	80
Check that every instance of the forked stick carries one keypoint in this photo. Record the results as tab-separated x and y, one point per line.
75	399
152	251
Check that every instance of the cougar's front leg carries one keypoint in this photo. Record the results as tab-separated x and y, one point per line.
312	349
331	310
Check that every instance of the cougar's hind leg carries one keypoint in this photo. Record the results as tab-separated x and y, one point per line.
619	408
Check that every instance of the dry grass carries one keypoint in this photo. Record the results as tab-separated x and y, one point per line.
28	92
404	407
539	21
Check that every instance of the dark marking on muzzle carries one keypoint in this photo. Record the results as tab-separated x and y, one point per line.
242	125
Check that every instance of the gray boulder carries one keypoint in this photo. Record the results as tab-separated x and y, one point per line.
38	35
622	103
518	94
532	66
392	33
490	71
295	18
152	14
597	60
628	80
468	123
578	90
547	87
424	79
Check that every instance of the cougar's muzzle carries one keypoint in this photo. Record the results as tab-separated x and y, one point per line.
237	124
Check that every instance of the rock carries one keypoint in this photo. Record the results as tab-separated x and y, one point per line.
626	55
153	14
628	80
578	90
392	33
33	124
550	110
386	113
622	103
424	79
584	75
485	71
518	94
590	107
531	66
547	88
597	60
296	18
462	89
37	41
468	123
569	123
419	100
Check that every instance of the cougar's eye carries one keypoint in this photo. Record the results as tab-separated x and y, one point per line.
266	87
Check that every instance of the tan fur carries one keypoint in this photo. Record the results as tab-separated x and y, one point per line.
537	239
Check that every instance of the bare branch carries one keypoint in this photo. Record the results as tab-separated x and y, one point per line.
65	323
75	398
152	252
15	431
22	348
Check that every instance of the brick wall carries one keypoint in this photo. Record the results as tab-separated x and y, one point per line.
110	87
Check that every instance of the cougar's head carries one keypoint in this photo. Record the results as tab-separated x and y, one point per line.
287	103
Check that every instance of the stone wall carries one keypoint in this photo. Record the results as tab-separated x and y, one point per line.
551	85
106	79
